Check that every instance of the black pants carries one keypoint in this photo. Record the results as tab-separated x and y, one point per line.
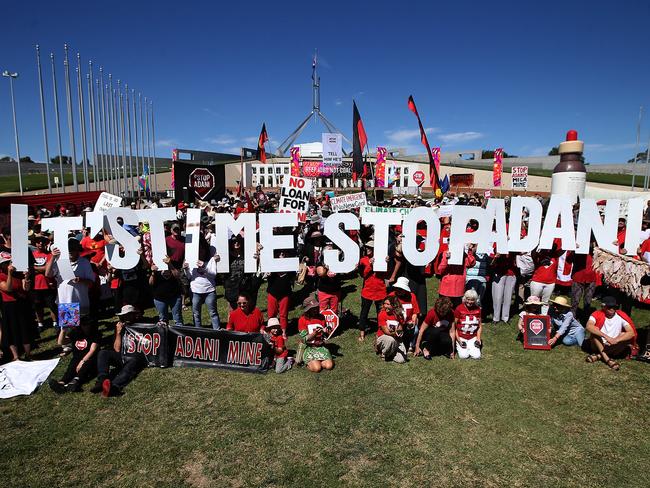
366	303
126	370
437	341
87	371
419	289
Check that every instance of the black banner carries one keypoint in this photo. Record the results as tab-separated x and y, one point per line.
208	348
148	340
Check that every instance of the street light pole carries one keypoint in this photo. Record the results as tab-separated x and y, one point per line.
11	77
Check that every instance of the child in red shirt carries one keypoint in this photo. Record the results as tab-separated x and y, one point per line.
282	360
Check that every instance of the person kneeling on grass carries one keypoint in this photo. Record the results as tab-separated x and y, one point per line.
125	368
612	334
282	360
467	327
565	324
435	332
532	306
83	365
389	343
311	327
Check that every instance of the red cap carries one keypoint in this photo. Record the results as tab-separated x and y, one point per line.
572	135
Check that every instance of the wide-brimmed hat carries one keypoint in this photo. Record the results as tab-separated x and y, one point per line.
403	284
533	300
126	309
309	303
272	323
562	301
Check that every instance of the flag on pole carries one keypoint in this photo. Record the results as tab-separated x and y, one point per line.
380	168
497	169
444	185
435	152
174	159
433	171
295	161
143	180
261	152
359	142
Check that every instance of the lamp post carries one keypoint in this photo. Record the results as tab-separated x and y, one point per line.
11	77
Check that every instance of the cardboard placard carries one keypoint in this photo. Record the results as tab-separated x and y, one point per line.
294	196
520	177
537	332
331	322
106	201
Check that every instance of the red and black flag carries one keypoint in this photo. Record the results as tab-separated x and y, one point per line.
264	138
359	142
434	180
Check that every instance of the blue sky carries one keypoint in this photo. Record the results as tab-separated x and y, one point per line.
483	74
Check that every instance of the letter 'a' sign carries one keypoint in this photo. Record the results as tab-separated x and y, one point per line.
202	182
294	196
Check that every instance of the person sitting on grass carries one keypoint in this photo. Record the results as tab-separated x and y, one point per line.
246	317
126	369
311	327
532	306
85	341
467	327
389	343
282	360
565	324
435	332
612	334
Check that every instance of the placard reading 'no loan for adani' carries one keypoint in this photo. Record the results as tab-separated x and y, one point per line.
294	196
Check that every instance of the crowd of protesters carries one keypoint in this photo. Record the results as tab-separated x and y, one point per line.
410	320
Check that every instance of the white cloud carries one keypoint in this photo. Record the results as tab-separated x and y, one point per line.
166	143
402	136
210	111
459	137
338	102
250	140
609	147
221	140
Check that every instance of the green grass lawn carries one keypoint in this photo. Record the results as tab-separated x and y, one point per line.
514	418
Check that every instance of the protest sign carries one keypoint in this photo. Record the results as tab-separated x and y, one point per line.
520	177
207	348
332	150
294	196
331	322
368	209
537	332
416	178
487	193
19	255
147	339
347	202
106	201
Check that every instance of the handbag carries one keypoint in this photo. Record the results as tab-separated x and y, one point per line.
302	274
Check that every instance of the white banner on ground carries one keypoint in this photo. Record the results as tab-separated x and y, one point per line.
23	377
332	149
294	196
347	202
520	177
107	200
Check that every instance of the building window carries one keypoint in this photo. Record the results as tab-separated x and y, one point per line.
278	170
254	170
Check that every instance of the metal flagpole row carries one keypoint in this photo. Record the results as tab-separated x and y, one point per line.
45	142
82	125
97	177
146	112
142	137
137	149
127	107
58	123
115	142
153	145
104	129
120	108
68	97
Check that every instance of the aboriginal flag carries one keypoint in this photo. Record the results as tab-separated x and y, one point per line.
261	152
433	172
359	142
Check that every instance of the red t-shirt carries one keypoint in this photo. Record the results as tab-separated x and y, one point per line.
175	249
374	286
94	245
410	305
17	285
433	320
583	271
386	319
278	342
467	321
546	274
240	322
40	281
305	322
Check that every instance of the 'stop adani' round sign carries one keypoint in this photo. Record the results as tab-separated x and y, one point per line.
418	177
202	182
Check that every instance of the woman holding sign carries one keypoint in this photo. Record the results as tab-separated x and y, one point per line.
311	327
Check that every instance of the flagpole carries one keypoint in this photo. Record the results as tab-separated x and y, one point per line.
116	140
109	136
93	135
68	93
82	124
153	148
58	122
636	150
47	147
647	165
135	127
146	119
104	139
127	107
127	183
144	161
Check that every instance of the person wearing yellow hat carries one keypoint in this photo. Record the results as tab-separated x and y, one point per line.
565	325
